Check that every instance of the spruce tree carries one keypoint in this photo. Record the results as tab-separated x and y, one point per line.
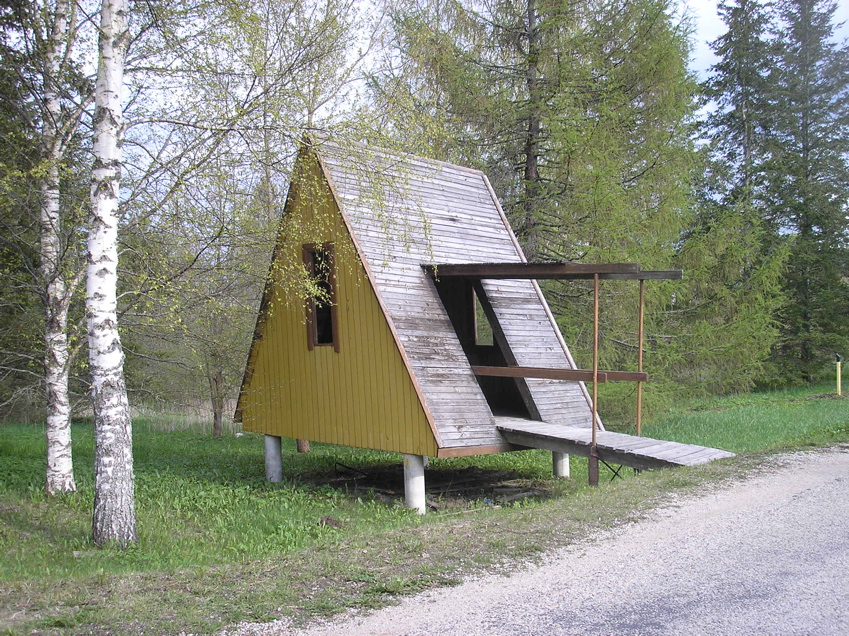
808	183
735	264
739	91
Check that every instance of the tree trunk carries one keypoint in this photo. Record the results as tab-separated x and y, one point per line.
302	445
216	390
60	468
217	422
114	511
531	194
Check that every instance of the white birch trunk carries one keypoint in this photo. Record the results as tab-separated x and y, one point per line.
114	507
60	469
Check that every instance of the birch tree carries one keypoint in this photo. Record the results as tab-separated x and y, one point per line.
60	468
53	98
58	124
114	509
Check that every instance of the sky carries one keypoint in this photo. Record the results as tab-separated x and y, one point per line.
709	27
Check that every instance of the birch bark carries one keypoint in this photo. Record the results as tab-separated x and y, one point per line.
60	469
114	509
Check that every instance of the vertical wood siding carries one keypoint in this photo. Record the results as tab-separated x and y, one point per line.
361	396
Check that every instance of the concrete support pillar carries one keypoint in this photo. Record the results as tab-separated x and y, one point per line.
561	464
273	459
414	483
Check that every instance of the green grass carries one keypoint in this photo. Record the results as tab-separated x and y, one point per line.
200	501
219	545
759	421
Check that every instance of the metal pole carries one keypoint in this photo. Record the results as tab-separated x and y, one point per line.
273	459
592	464
414	483
640	360
560	464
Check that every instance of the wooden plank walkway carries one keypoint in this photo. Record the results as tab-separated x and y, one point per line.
614	448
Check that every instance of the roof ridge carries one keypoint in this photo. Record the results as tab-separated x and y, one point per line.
317	141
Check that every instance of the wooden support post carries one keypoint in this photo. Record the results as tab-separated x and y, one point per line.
273	459
414	483
592	462
640	359
560	463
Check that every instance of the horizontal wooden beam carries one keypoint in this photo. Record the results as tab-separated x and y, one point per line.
626	376
647	274
576	375
537	271
551	271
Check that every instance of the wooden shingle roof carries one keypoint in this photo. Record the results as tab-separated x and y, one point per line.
403	212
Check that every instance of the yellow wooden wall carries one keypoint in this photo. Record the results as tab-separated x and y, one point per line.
361	396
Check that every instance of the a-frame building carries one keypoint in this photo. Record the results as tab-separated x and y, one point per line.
382	352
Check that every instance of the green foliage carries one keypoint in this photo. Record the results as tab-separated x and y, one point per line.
724	310
779	146
581	113
194	274
739	93
19	311
199	240
578	115
808	181
24	164
742	267
582	118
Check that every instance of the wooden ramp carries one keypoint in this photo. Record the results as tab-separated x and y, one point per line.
614	448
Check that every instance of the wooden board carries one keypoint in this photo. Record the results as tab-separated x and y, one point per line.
617	448
535	271
583	375
550	271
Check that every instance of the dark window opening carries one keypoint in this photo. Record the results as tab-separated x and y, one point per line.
477	336
322	326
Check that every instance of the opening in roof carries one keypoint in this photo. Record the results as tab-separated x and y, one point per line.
483	329
474	322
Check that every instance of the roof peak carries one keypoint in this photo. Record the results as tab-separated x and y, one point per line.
317	142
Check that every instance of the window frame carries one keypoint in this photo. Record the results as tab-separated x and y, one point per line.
308	251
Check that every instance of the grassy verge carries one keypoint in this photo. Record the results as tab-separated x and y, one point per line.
218	545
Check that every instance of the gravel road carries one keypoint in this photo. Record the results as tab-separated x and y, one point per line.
768	556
